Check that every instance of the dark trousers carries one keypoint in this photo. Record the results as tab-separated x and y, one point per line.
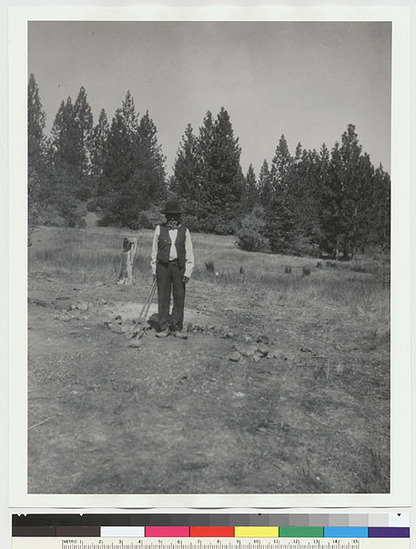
170	280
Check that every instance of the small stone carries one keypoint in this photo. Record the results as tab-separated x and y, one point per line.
262	349
235	357
107	323
277	354
135	343
263	338
212	327
305	350
118	317
256	358
117	329
251	351
63	303
189	327
103	301
229	335
83	306
247	339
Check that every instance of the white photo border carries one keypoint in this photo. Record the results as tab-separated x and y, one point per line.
400	17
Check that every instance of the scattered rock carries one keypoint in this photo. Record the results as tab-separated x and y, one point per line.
83	306
212	327
262	349
118	317
250	351
277	354
255	358
263	338
239	395
63	303
248	338
63	317
235	356
305	350
117	329
103	301
135	343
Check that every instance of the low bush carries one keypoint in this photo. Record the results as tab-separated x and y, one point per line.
149	219
249	234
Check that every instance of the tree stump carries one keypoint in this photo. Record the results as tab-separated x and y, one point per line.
125	275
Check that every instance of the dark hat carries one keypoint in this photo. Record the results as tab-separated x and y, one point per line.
173	207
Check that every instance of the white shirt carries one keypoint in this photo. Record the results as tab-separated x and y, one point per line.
189	252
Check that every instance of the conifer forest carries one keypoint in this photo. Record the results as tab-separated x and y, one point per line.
332	201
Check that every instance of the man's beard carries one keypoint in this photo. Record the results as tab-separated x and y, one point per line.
173	223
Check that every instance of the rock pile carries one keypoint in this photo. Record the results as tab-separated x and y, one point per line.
256	351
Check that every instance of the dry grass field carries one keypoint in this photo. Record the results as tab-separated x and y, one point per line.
304	407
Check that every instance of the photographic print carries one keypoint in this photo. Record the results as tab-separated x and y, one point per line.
209	220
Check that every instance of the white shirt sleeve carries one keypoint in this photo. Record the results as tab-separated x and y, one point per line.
189	251
153	261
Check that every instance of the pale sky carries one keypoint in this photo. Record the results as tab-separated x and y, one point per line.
306	80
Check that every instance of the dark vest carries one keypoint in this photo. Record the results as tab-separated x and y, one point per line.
164	244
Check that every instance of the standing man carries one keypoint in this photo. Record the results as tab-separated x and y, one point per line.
172	265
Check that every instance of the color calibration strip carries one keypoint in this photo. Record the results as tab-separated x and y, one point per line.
214	532
219	526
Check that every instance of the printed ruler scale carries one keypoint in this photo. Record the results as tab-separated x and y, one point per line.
288	543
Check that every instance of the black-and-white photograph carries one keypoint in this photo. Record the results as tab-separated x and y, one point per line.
209	221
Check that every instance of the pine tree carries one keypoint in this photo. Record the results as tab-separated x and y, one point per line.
131	119
71	145
265	186
36	124
83	124
380	212
151	162
250	193
36	154
133	177
99	139
280	215
281	165
187	178
223	185
64	137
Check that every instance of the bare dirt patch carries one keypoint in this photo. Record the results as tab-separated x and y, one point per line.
303	408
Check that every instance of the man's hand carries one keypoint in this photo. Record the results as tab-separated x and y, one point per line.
185	279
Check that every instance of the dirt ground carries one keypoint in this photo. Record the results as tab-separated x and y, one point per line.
298	410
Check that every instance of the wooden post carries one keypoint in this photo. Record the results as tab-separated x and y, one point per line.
125	275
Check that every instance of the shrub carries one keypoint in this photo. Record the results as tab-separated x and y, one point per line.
92	205
192	222
249	234
148	219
